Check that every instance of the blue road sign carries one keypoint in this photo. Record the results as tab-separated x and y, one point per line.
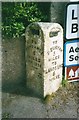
71	53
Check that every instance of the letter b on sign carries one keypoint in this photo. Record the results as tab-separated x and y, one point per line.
72	21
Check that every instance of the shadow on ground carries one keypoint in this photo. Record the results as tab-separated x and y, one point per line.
19	89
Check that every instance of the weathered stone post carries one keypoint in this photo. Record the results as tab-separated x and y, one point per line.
44	57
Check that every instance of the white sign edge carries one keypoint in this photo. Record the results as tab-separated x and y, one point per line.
68	42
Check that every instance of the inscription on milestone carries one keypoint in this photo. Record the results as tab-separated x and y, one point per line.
54	61
35	54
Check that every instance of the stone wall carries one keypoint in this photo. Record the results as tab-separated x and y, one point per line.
57	12
13	62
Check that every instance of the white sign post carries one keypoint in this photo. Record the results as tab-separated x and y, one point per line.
72	21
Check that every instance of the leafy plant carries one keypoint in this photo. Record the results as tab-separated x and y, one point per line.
17	15
64	82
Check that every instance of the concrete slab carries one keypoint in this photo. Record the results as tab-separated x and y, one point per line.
25	107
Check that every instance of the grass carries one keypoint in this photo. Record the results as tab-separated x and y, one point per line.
64	82
49	98
6	116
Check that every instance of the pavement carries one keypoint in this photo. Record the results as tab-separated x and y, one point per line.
22	103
